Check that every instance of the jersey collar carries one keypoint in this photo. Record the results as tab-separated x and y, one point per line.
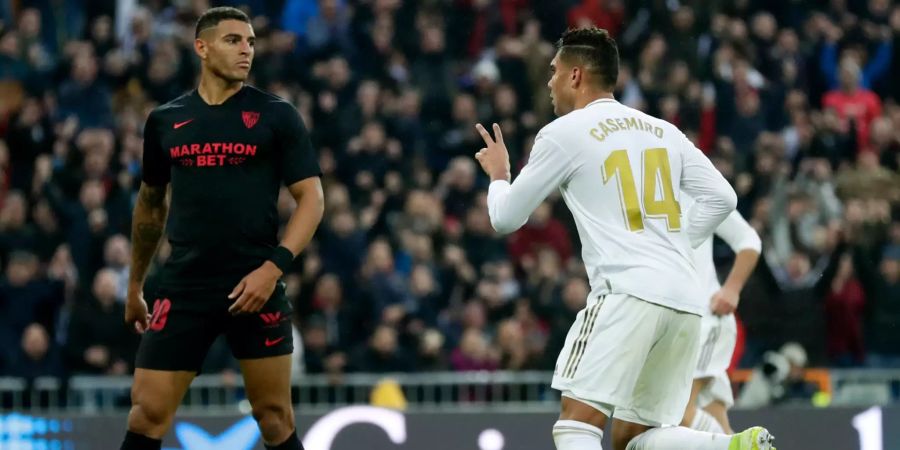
601	100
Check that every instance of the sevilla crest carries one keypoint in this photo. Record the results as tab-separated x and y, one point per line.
250	118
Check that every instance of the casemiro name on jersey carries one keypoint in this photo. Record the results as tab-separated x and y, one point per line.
624	124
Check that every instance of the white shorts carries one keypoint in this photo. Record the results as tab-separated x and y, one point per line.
633	359
718	335
718	388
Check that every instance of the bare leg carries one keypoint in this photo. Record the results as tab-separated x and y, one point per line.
268	384
155	395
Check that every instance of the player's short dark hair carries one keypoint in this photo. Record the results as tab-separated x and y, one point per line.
213	16
595	50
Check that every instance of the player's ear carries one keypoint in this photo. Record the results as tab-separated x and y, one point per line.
200	47
576	76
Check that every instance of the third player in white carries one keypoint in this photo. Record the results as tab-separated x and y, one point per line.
711	394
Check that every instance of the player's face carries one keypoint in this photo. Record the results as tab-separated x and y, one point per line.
560	91
227	49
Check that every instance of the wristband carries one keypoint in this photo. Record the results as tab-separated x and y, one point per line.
282	258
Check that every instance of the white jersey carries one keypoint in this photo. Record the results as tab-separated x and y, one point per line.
621	173
739	235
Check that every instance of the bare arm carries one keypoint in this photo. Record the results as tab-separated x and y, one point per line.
256	288
745	242
744	264
305	219
147	225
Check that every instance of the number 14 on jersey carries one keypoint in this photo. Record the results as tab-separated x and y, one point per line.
657	174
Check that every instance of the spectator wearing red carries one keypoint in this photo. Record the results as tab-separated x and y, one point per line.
854	103
845	305
606	14
542	230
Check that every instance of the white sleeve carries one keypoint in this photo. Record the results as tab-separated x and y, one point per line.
509	205
738	234
713	197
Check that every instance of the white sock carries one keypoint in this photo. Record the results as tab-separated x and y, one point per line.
704	421
575	435
679	438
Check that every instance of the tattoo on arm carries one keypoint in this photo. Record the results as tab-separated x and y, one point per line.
152	195
147	228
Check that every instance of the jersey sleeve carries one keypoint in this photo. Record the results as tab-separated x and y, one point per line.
714	199
298	160
509	205
738	234
156	169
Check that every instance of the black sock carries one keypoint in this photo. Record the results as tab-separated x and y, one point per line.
134	441
292	443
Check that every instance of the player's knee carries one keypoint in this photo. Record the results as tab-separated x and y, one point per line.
572	409
148	418
275	420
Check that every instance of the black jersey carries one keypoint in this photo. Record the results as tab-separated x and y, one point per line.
226	164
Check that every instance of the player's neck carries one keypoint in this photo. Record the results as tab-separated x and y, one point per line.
584	98
215	91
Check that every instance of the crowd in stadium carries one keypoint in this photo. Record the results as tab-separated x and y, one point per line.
796	103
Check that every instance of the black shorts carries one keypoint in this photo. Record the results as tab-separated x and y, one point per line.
185	323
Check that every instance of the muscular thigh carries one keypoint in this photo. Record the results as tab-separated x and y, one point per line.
159	392
268	380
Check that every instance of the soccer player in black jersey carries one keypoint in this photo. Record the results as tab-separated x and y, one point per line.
222	152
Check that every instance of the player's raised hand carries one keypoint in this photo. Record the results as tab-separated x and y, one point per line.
254	290
136	311
494	157
724	301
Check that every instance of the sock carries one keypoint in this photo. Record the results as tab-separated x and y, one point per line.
704	421
291	443
134	441
679	438
575	435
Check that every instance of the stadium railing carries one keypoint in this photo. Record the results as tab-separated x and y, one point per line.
441	391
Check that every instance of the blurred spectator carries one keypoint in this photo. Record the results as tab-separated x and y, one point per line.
83	96
99	342
117	256
541	231
845	306
319	356
15	234
431	356
473	353
335	318
26	298
856	106
574	299
877	264
37	356
382	354
385	286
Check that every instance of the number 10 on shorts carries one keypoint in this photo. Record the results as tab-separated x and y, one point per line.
161	309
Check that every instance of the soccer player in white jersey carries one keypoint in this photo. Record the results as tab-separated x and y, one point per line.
711	394
631	352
